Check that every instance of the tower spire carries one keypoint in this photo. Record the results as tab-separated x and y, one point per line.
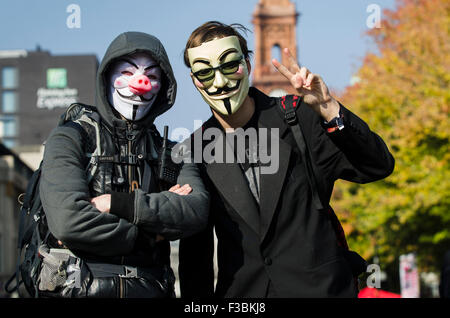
275	24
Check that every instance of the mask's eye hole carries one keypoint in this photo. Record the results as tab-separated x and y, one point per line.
205	74
127	73
152	77
230	67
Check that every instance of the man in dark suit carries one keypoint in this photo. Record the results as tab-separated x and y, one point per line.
273	240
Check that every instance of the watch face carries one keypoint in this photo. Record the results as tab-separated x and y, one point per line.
337	123
340	123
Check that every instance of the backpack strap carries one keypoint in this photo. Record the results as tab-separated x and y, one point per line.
78	113
288	104
93	119
30	203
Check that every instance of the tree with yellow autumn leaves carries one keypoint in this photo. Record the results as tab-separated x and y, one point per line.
403	93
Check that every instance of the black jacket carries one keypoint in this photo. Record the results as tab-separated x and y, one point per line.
284	240
124	236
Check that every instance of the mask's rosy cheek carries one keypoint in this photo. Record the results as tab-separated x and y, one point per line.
120	83
240	70
198	83
155	86
239	74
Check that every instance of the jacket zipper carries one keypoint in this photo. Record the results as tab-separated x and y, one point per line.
120	287
128	153
130	182
120	280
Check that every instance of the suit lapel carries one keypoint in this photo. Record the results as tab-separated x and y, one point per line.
230	182
271	184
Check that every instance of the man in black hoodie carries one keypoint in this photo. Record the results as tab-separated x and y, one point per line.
119	223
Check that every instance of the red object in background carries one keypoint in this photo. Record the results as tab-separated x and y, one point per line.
369	292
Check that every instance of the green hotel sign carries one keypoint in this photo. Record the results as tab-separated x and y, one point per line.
56	78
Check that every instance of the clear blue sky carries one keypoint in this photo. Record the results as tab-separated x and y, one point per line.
330	35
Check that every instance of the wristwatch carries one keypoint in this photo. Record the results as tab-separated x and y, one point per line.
337	123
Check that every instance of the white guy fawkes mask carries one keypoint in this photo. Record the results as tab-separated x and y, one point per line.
133	84
220	73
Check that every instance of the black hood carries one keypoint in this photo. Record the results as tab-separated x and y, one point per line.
129	43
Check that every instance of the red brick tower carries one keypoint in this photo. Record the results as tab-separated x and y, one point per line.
275	23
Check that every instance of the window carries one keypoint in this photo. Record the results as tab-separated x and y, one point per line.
10	78
9	102
276	52
9	143
9	127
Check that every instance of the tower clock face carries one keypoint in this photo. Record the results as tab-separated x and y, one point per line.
277	92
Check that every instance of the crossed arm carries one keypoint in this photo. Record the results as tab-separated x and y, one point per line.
74	219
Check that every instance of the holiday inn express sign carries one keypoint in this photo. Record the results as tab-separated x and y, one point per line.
56	78
56	94
56	97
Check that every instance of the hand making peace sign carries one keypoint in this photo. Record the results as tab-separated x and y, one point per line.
309	86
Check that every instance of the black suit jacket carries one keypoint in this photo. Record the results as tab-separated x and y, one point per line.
284	240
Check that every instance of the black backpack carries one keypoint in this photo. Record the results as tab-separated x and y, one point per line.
33	230
287	105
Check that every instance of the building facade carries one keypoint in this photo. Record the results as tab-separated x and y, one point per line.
275	24
35	89
14	176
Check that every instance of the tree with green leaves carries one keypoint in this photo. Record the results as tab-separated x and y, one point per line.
403	94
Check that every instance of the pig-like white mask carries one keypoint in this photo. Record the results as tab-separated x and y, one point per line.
134	82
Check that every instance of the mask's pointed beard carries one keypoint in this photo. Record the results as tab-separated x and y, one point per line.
226	102
135	108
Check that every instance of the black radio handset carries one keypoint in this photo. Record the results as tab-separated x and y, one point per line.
168	170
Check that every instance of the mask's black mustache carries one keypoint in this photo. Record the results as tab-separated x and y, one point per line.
142	98
224	89
146	99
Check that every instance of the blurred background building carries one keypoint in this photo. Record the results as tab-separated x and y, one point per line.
35	89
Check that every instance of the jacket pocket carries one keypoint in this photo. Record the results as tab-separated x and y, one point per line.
333	278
